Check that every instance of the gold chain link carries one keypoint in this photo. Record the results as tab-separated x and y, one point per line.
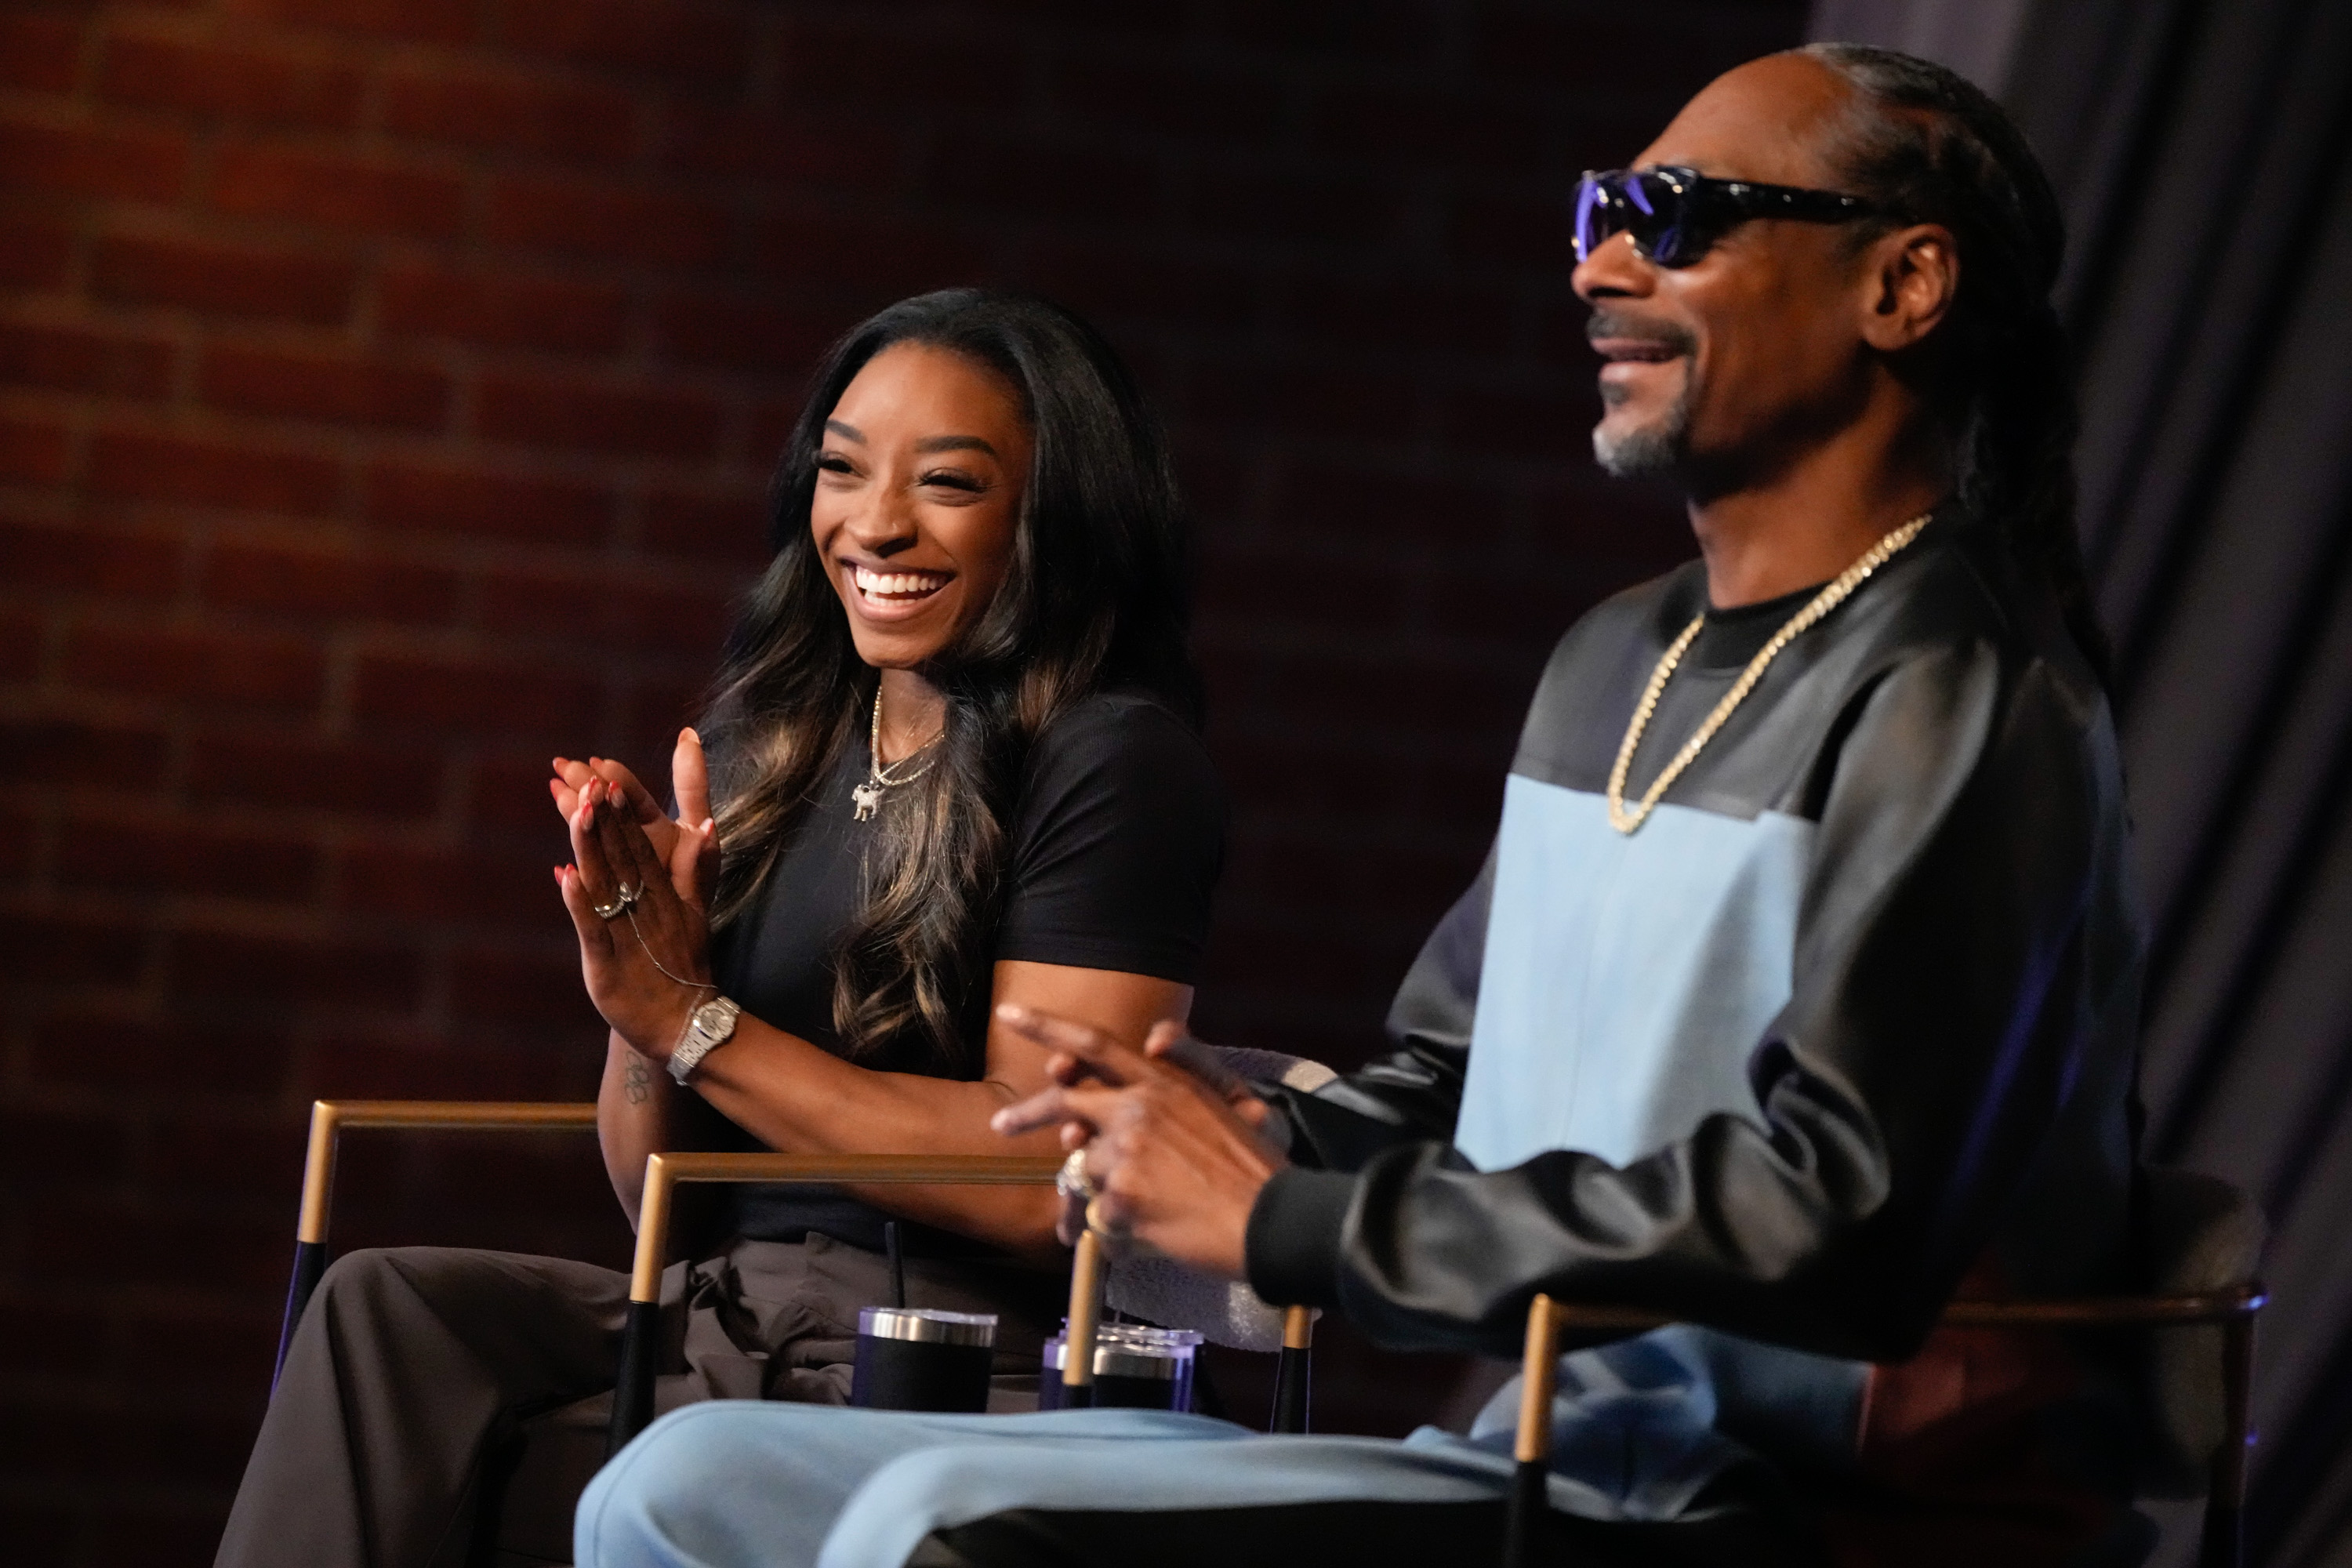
1822	604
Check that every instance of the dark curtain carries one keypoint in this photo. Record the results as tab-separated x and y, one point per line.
2202	148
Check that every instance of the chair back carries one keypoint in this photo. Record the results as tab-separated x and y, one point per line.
1224	1312
2196	1234
1300	1073
2199	1242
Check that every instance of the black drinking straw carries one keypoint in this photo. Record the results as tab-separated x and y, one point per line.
897	1263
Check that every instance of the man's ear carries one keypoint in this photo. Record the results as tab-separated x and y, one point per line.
1909	278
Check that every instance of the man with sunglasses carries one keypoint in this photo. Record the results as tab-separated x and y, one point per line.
1798	995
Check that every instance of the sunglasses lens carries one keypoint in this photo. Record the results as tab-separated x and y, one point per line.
1667	237
1592	212
1606	207
1647	206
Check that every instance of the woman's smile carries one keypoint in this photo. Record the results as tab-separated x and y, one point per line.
891	595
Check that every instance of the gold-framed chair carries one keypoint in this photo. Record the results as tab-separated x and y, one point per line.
530	1524
632	1404
2202	1238
633	1396
330	1118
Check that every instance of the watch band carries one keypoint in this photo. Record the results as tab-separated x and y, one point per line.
711	1026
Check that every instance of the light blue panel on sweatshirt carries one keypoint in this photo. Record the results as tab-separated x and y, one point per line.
1627	979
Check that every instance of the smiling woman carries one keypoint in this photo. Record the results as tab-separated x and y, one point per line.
952	763
916	523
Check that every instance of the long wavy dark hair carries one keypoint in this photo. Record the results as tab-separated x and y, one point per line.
1096	597
1929	146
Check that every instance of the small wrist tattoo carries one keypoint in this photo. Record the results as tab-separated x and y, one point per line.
636	1080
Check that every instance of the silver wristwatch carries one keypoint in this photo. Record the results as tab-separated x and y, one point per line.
712	1026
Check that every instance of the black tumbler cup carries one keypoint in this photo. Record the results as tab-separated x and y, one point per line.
919	1358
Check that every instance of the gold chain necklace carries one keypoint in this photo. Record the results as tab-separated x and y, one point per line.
1822	604
868	795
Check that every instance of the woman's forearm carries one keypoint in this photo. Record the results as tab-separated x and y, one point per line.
798	1099
637	1115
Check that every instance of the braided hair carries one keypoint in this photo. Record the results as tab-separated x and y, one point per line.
1927	145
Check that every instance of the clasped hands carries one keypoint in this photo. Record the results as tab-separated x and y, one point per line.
1175	1162
638	891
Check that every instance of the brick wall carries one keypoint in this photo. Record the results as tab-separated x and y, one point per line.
386	389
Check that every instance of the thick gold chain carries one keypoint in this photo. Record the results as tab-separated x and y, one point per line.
1822	604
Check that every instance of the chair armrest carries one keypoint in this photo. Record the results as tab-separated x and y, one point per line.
330	1117
665	1171
2089	1311
2223	1306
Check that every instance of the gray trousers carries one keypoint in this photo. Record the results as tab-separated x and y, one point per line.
425	1384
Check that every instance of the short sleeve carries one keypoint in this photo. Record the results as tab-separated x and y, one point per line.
1119	837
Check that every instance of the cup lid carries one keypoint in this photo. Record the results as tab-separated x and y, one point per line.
1131	1350
928	1325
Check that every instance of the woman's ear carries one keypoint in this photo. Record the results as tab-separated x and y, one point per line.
1910	278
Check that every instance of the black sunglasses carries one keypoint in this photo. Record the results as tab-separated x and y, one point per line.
1675	214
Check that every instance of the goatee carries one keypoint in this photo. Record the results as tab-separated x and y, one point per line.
1660	446
1650	451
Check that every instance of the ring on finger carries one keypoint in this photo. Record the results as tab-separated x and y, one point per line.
1073	1182
622	897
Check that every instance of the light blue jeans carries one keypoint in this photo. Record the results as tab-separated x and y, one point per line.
747	1484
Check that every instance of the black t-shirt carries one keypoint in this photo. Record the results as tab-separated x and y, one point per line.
1728	639
1118	839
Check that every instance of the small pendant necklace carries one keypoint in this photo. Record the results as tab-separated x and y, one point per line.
1627	821
868	795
